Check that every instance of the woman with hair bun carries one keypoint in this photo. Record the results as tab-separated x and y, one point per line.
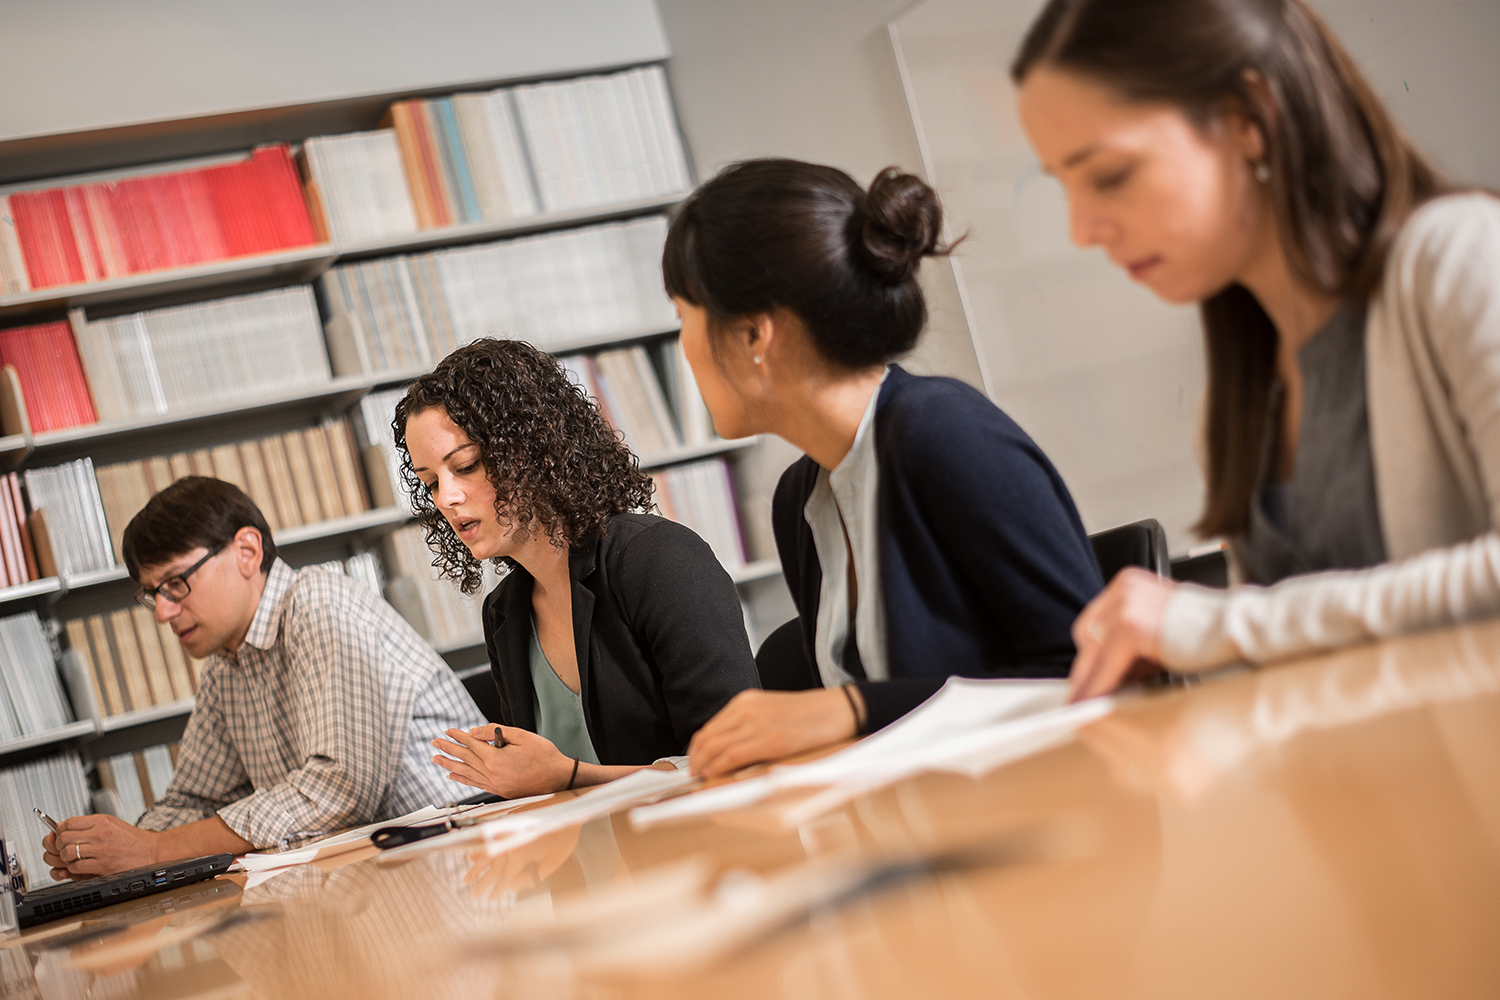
1229	153
615	634
923	534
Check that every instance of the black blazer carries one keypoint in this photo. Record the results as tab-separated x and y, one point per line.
984	562
659	633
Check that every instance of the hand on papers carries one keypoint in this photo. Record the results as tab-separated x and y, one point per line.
769	725
527	764
85	846
1119	634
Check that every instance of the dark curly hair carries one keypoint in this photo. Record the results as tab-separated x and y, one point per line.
555	462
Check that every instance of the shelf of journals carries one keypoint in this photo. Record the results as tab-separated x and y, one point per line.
303	264
339	393
371	522
72	731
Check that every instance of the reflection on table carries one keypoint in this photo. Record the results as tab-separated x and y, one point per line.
1329	827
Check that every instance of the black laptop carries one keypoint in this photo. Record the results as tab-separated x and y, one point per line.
65	899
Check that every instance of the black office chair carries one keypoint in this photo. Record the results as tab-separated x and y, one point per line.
1143	544
782	661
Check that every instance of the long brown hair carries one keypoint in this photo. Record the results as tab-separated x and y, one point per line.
1343	179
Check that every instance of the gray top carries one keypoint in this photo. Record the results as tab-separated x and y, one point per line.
559	712
1326	515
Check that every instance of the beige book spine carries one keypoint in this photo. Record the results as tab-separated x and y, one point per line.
226	459
345	467
125	490
382	493
78	639
321	462
152	658
258	483
182	465
159	474
106	667
280	475
129	652
143	775
302	477
177	667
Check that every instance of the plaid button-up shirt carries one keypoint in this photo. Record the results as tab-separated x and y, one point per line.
322	720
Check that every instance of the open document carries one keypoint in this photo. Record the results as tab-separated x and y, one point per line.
969	727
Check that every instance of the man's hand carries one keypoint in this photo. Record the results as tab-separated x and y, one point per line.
85	846
768	725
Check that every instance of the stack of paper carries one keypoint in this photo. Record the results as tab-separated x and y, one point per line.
624	385
701	496
58	787
443	614
406	313
969	727
75	514
94	232
51	375
207	354
362	184
602	139
31	695
514	829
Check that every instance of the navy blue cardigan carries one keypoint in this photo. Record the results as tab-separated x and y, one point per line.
984	562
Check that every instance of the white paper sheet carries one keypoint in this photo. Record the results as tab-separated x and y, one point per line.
353	840
970	727
513	830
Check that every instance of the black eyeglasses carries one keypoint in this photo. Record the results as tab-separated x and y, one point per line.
174	589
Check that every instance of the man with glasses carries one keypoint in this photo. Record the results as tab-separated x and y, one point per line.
315	708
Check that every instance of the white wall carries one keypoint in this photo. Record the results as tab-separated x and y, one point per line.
813	80
69	65
1102	374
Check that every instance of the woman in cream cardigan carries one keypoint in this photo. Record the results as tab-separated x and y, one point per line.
1228	152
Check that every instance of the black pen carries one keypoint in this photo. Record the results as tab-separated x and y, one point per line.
388	837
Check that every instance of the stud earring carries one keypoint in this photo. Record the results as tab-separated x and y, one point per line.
1262	172
757	359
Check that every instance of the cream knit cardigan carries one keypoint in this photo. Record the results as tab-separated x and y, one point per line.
1432	373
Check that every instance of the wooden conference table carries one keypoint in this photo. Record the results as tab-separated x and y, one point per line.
1327	828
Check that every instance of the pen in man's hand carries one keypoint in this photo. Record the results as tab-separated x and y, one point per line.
46	819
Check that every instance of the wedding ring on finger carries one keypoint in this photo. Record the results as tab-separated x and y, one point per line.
78	850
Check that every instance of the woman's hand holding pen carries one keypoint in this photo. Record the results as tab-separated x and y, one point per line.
523	764
1118	634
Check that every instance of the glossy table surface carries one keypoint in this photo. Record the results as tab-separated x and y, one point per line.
1326	828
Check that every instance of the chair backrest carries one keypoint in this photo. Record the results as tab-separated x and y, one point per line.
1142	544
782	661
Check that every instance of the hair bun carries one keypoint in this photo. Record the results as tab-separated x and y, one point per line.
902	223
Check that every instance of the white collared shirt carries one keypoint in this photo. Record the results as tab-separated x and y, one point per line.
845	500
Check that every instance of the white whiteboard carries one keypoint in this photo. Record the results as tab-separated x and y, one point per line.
1104	376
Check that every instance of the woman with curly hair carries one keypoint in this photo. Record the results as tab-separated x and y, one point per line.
615	634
